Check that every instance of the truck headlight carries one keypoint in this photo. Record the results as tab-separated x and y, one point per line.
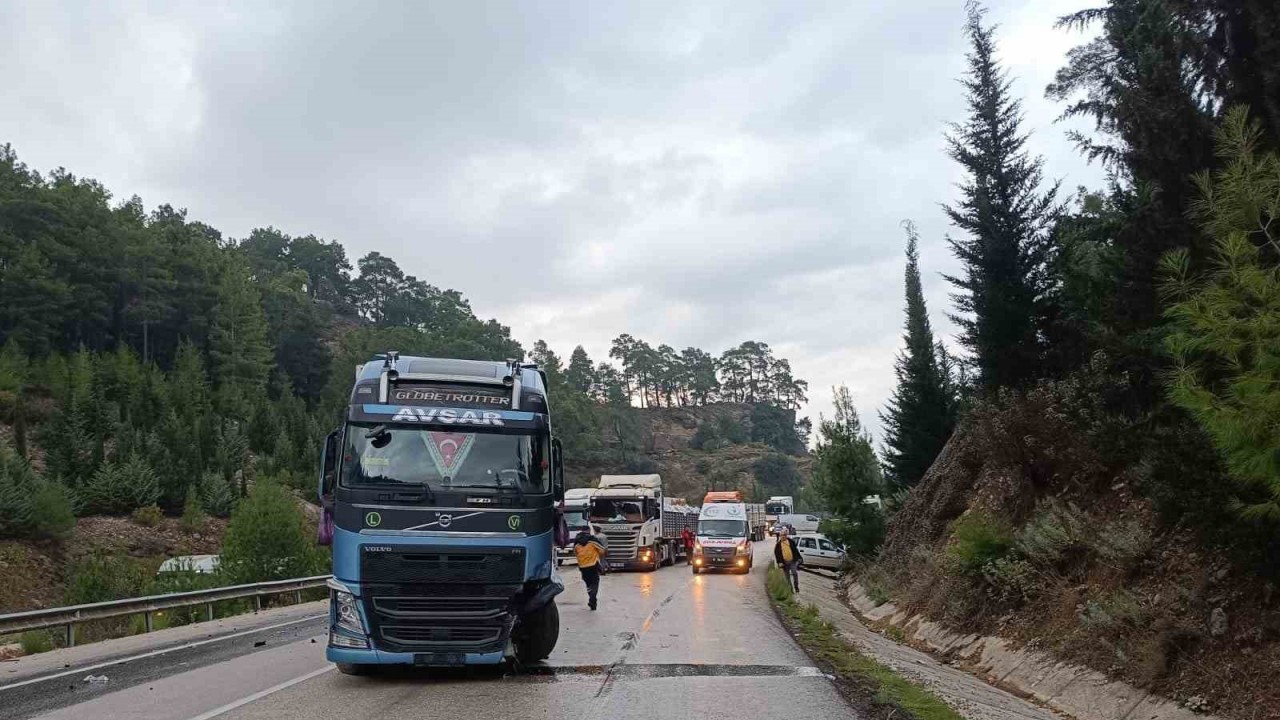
346	615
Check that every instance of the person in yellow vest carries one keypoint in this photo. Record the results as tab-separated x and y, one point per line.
788	557
590	553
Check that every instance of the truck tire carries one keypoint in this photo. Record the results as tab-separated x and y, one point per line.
537	635
354	669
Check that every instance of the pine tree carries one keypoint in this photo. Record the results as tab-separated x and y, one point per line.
1224	329
846	473
216	495
17	488
581	374
1004	217
238	347
920	416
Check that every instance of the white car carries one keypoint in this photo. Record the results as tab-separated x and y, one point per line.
817	551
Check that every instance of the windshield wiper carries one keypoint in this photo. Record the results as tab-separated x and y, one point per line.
426	487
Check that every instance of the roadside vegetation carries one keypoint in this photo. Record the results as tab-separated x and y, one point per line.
878	691
1093	464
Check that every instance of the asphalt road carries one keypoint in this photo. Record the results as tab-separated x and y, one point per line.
662	645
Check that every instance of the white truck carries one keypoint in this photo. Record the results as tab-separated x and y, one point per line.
725	532
576	503
639	524
775	506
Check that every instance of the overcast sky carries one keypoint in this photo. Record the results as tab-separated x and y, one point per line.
694	173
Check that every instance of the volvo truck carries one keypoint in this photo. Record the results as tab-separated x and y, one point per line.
440	488
641	526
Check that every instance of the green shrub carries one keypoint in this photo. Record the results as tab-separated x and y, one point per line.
36	641
978	539
1013	577
193	518
149	516
1113	611
1053	533
777	585
1122	542
119	488
51	512
184	580
268	538
99	578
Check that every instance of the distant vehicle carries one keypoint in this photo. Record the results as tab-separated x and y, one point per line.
801	523
779	526
817	551
775	506
640	526
576	504
201	564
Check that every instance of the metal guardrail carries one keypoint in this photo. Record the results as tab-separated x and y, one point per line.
69	617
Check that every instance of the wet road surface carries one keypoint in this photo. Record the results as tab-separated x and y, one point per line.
664	645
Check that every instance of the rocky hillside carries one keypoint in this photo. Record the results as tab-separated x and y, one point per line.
1026	528
689	448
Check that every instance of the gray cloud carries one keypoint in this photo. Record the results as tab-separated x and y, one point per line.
691	173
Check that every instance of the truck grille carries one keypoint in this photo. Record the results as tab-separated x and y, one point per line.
451	636
440	599
411	564
622	543
718	550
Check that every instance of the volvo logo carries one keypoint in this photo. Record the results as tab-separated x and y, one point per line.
445	520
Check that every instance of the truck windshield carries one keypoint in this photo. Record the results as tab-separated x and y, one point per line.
391	455
722	528
776	509
617	511
575	518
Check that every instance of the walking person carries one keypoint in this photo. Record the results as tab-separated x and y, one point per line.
787	555
590	553
686	539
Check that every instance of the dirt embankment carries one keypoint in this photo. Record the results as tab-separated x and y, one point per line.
1026	532
38	570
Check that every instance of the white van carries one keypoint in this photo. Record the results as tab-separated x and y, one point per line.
800	522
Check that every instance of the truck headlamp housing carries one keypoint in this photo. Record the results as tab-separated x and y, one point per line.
744	548
345	613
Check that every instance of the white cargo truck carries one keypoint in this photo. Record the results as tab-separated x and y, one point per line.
639	524
775	506
576	503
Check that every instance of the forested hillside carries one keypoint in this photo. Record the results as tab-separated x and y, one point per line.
1098	473
149	361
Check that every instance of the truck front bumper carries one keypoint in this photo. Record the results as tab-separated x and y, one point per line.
382	657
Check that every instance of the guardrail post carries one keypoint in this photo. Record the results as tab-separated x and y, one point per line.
146	621
71	635
257	603
297	596
208	611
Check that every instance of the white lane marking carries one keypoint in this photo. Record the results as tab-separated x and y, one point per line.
261	694
153	653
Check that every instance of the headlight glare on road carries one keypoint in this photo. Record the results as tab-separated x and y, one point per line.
345	612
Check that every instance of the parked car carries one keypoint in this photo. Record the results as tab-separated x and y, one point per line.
817	551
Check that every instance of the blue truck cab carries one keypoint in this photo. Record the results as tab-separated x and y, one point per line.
441	487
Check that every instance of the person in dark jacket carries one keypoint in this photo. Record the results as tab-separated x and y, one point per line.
590	553
787	556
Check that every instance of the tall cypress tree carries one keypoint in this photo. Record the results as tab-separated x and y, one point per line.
921	414
1005	219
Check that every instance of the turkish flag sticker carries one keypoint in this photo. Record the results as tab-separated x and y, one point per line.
450	450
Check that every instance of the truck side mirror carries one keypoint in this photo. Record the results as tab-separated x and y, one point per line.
328	470
557	470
